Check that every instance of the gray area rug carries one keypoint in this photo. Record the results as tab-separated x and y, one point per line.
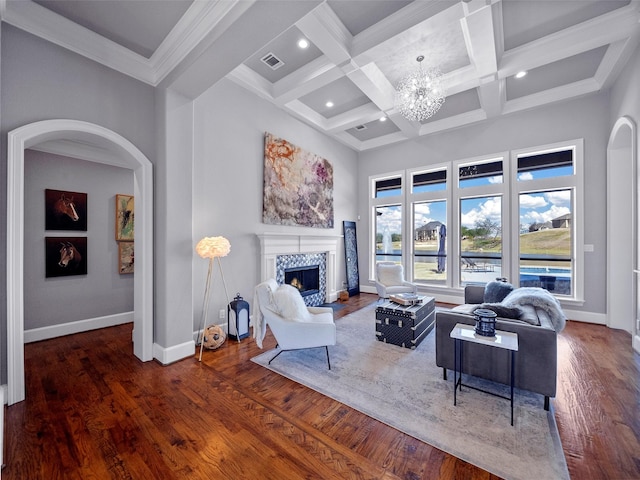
404	389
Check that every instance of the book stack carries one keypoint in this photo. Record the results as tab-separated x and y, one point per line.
405	298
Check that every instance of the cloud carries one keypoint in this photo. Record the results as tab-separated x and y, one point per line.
496	179
560	197
532	201
390	219
523	177
543	217
490	208
556	204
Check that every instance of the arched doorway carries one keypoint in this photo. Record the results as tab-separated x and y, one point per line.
117	151
622	229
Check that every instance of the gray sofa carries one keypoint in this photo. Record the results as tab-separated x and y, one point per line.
536	359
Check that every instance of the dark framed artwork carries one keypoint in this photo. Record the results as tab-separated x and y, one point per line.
125	257
65	210
124	218
298	186
351	257
65	256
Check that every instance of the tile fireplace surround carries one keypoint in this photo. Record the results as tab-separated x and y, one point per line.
273	245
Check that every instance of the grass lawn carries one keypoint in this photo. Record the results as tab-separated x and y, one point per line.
556	241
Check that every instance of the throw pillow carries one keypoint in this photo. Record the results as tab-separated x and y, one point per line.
390	274
290	304
495	292
502	310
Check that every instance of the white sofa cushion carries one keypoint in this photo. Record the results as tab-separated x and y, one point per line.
390	274
290	304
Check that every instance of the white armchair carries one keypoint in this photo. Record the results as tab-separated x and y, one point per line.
294	325
390	280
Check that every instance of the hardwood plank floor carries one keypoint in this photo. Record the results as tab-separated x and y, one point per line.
93	411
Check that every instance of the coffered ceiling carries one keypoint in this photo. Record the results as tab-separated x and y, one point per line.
358	51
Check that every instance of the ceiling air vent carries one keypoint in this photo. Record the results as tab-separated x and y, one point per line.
361	127
272	61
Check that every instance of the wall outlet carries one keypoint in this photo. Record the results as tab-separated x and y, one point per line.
223	314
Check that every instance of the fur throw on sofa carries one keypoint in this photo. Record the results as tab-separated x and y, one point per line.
538	298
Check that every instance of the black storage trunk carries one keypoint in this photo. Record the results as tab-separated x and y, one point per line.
405	326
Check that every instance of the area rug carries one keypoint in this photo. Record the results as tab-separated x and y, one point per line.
404	389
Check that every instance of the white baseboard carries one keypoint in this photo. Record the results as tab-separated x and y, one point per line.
636	343
586	317
368	289
53	331
2	400
167	355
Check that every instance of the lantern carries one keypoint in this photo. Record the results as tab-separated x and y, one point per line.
485	322
238	318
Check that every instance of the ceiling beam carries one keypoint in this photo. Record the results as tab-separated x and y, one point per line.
325	30
564	92
314	75
479	36
615	59
608	28
492	95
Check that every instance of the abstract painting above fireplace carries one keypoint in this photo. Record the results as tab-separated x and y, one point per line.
298	186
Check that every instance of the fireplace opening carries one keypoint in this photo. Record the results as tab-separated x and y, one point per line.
305	279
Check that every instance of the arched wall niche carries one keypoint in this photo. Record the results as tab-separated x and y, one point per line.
622	262
100	145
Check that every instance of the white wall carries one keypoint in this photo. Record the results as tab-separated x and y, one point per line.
582	118
228	183
173	177
102	291
41	81
625	94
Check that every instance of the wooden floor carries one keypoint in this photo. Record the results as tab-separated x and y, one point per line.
93	411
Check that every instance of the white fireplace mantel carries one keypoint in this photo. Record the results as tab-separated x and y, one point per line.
274	244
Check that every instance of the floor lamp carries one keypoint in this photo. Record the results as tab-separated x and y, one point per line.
212	248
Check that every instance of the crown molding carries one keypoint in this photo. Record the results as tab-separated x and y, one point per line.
195	25
43	23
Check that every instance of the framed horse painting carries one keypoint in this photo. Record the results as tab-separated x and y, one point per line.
65	256
65	210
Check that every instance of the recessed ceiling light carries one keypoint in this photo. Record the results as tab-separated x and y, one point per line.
303	43
521	74
383	118
329	104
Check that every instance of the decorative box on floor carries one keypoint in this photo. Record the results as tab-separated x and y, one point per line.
405	326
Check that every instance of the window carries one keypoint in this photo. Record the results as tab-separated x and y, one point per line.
515	215
389	187
480	238
429	241
429	200
546	216
386	204
429	182
480	218
478	174
553	164
389	233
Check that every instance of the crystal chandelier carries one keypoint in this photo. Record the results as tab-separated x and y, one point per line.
420	94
